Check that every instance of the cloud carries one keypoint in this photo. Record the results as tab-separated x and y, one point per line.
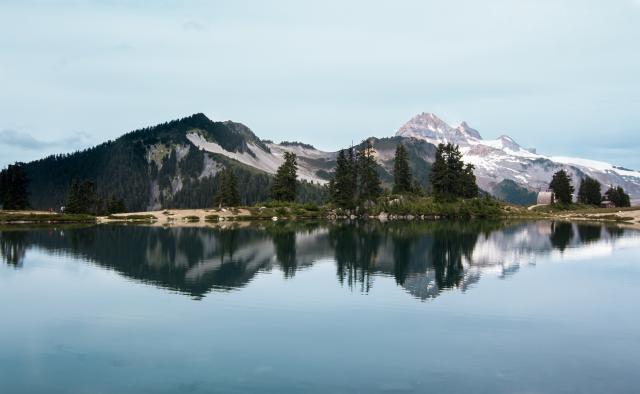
17	139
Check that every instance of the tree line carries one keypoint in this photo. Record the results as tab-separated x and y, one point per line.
82	198
356	180
589	192
14	193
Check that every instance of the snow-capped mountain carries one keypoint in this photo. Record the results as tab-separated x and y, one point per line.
175	164
504	159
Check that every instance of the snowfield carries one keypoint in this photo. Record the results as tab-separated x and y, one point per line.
265	161
503	158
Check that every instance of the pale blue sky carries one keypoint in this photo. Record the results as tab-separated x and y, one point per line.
561	76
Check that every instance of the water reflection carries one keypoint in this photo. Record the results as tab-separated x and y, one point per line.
425	258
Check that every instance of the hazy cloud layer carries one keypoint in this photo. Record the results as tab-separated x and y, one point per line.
561	76
12	138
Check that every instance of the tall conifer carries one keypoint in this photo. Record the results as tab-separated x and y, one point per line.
402	179
562	187
285	184
589	192
14	184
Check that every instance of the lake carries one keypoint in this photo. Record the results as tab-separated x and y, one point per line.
365	307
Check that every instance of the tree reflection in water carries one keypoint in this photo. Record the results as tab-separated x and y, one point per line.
13	247
562	234
425	258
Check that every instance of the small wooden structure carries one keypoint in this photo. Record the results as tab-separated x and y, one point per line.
545	198
607	204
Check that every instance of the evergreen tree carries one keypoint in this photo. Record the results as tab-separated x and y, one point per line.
88	197
101	207
14	184
285	184
82	198
469	187
369	180
402	178
352	158
450	178
618	196
74	204
115	205
440	179
227	193
562	187
342	186
589	192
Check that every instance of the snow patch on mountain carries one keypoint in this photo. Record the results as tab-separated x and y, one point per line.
503	158
261	159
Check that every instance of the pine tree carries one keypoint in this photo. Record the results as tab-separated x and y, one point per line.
101	207
589	192
232	189
618	196
74	205
285	184
14	184
227	193
115	205
220	199
468	183
402	178
82	197
369	180
88	197
440	179
450	178
562	187
342	186
352	162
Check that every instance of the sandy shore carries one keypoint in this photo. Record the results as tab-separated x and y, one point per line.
177	217
629	218
216	217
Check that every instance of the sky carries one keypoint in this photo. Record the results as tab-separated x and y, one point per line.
560	76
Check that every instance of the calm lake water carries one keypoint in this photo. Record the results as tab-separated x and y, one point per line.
535	307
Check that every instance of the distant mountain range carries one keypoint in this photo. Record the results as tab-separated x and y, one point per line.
174	164
503	159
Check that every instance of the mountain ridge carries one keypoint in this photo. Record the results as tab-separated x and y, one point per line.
504	159
175	164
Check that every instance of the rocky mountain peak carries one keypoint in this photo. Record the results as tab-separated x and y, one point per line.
471	132
508	142
435	130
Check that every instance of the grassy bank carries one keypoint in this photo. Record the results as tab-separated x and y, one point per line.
35	217
430	207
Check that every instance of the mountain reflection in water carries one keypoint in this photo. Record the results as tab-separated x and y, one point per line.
425	258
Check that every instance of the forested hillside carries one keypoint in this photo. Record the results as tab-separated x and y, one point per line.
157	167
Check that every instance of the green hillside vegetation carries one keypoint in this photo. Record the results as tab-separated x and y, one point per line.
509	191
121	168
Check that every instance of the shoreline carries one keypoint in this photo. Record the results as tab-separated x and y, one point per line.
629	217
